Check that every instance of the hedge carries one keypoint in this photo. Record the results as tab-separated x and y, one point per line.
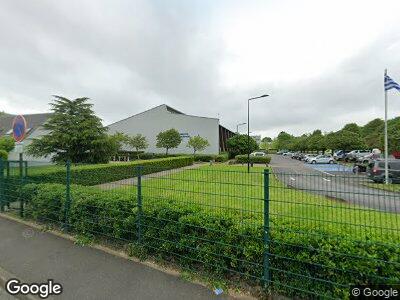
103	173
221	243
3	154
211	157
242	159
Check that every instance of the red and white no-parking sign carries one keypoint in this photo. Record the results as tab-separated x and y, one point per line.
19	128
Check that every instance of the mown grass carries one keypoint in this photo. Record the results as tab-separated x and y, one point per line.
231	190
386	187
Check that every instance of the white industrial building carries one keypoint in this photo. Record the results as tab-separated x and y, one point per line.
160	118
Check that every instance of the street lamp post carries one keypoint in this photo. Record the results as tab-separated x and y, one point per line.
248	129
237	126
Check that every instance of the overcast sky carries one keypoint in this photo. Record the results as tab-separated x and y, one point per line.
322	62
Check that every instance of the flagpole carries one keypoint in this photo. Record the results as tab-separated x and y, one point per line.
386	137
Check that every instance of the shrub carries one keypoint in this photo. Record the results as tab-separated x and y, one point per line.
210	157
242	159
238	144
3	154
222	157
146	155
301	259
102	173
204	157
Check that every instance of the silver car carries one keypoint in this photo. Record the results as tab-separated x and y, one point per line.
321	159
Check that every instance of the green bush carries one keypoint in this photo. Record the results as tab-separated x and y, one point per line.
301	259
145	156
102	173
211	157
242	159
222	157
3	154
239	144
204	157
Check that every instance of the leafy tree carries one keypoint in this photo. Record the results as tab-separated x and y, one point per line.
393	135
300	143
238	144
345	140
372	127
138	142
316	141
168	139
284	140
266	140
197	143
7	143
373	133
352	127
75	133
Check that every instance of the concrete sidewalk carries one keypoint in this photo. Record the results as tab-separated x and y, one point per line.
86	273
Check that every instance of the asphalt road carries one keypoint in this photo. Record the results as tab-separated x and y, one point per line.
86	273
338	185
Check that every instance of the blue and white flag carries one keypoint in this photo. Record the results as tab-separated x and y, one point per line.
391	84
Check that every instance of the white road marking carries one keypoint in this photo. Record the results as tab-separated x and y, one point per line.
327	173
326	179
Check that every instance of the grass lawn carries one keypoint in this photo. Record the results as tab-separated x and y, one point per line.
230	190
386	187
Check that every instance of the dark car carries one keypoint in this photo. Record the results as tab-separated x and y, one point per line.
376	171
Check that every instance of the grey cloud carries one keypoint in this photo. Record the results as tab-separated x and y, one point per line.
131	55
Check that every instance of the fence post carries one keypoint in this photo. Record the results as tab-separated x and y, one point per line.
2	199
139	202
26	168
67	194
266	237
21	183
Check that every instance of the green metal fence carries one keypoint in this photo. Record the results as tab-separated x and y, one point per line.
297	235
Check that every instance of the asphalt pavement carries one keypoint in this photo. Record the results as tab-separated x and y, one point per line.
85	273
339	184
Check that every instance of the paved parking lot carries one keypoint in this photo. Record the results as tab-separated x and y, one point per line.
330	168
339	184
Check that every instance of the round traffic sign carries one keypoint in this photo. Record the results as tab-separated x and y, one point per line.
19	128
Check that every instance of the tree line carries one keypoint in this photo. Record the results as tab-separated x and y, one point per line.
351	136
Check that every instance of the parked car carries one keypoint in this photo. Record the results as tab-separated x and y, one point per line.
376	171
280	152
307	157
340	155
258	154
321	159
295	155
355	154
287	154
301	156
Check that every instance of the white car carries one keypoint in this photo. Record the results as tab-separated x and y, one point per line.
287	154
321	159
258	154
307	157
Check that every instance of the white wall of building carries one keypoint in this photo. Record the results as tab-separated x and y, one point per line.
152	122
37	133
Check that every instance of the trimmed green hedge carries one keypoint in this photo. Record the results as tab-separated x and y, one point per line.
301	259
242	159
103	173
211	157
3	154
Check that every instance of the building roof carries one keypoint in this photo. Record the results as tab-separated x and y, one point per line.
166	107
33	121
